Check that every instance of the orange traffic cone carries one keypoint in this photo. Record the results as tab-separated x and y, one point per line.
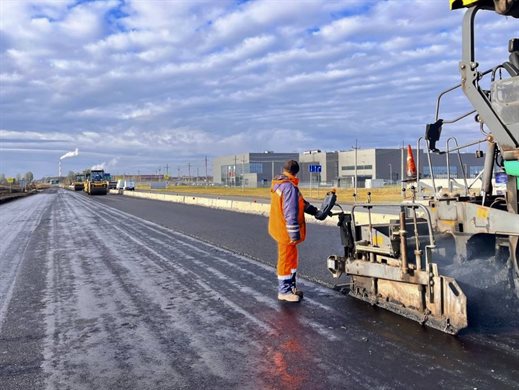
411	166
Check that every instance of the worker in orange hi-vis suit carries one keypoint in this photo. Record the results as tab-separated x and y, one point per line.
287	226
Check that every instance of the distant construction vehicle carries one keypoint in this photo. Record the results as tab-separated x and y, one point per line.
79	182
95	183
111	183
394	265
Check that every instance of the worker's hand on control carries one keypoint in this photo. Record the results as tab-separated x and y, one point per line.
311	210
326	207
320	216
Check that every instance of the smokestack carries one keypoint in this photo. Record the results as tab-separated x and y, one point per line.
66	155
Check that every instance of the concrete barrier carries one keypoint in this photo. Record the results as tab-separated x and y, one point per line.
249	207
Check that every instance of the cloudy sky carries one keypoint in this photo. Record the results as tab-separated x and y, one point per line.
136	85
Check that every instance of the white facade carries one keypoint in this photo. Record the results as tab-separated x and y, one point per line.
249	169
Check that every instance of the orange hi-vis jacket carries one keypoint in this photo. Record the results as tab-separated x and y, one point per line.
287	210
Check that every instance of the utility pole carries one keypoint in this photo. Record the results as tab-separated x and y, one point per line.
356	147
242	171
206	171
234	171
402	169
189	172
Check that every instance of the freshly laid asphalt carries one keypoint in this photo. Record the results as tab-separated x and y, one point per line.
112	292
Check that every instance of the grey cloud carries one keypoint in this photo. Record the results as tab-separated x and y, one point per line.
167	83
7	141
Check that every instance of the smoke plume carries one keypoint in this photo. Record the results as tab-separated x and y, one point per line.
70	154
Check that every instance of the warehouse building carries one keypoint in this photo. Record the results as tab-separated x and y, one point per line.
319	168
370	165
249	169
339	169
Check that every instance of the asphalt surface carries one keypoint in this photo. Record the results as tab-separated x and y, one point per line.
110	292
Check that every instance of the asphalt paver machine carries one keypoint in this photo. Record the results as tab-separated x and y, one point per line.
395	265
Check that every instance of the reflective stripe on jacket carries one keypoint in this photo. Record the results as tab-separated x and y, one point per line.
287	210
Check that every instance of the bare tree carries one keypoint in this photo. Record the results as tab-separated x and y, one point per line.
29	177
71	177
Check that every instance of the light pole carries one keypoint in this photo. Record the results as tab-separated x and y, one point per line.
205	160
234	171
242	172
402	169
356	147
390	174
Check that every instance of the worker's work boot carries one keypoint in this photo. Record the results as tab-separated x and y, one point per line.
298	292
293	287
289	297
286	290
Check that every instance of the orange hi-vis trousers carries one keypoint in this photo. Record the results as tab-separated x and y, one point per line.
287	266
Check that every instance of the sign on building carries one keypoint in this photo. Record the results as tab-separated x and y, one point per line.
314	168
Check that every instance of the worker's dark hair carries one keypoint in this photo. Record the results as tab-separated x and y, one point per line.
291	166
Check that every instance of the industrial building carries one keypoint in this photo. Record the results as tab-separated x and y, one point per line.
249	169
317	167
339	169
389	165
